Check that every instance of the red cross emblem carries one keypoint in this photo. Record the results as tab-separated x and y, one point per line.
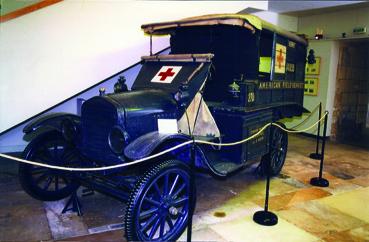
280	58
166	74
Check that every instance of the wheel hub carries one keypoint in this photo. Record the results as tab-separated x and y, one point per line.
165	205
173	211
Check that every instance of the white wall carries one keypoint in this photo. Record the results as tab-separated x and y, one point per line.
284	21
335	23
332	79
12	141
51	54
327	50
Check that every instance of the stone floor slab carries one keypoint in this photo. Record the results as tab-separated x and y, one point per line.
354	203
101	210
286	200
203	235
111	236
224	213
318	219
245	229
22	218
361	181
360	234
63	225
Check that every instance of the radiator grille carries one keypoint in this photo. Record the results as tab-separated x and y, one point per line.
98	117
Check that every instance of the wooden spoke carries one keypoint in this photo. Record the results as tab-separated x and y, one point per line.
179	190
48	182
149	222
151	201
154	229
173	185
148	212
180	201
42	177
169	221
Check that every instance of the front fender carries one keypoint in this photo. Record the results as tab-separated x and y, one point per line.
144	145
154	142
48	122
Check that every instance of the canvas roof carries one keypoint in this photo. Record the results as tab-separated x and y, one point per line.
247	21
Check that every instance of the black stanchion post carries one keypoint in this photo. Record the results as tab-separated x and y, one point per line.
316	155
266	217
191	208
320	181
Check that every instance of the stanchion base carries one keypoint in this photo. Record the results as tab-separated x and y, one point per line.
265	218
319	182
315	156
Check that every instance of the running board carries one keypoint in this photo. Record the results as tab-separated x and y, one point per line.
226	167
221	167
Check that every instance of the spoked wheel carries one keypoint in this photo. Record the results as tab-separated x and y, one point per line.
277	152
43	183
159	204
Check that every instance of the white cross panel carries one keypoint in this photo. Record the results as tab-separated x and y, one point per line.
166	74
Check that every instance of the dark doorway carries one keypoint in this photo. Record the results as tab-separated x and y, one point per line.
351	104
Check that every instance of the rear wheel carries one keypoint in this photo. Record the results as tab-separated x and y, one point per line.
158	207
43	183
277	152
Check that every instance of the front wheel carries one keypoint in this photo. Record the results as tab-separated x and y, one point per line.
277	152
158	207
43	183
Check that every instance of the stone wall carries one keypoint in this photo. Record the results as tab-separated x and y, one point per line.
351	99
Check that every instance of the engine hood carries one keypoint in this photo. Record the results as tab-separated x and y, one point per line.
143	102
136	112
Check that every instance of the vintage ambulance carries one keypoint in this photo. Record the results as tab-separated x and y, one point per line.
226	77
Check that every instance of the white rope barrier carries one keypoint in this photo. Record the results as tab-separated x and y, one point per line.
235	143
162	152
260	131
97	168
302	130
308	117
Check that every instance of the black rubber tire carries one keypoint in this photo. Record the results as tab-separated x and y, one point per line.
28	181
140	189
277	153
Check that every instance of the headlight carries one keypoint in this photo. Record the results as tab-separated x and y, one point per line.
117	140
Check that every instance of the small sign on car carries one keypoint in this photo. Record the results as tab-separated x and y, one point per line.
166	74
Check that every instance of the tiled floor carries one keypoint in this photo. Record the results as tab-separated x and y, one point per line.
224	209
